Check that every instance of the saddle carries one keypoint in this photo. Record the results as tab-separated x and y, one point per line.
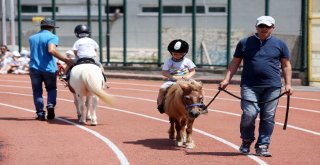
83	61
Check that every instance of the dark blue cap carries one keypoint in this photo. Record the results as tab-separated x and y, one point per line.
48	22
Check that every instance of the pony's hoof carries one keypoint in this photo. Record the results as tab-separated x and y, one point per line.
88	119
190	145
171	137
79	117
94	123
179	144
82	122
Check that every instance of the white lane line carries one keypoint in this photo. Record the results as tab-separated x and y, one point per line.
234	146
146	85
302	98
228	113
122	158
255	158
235	100
278	123
219	111
226	99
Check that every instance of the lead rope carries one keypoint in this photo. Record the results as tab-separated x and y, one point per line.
287	109
287	113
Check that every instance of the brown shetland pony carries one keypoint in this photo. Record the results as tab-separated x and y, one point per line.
183	104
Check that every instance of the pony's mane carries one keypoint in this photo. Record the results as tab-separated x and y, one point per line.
190	84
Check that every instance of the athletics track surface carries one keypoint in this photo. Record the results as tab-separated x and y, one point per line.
133	132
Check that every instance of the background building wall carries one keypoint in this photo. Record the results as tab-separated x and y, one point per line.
142	30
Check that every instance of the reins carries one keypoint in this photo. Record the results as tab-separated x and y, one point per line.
263	102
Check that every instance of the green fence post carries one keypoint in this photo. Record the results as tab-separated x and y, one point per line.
108	32
100	30
266	10
125	32
160	33
194	35
89	13
228	33
304	35
54	13
19	24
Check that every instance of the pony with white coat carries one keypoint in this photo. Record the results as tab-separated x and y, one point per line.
86	80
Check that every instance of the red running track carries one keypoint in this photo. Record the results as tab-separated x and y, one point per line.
133	132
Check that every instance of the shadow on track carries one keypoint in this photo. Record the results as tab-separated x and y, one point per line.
158	144
215	153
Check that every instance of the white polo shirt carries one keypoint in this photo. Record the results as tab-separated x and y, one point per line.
86	48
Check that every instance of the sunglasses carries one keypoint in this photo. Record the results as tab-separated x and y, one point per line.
264	26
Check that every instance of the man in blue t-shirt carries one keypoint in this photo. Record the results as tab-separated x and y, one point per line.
263	58
43	67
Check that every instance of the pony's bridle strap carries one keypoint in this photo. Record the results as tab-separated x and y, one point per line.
200	105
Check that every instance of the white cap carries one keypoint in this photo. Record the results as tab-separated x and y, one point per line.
16	54
24	52
267	20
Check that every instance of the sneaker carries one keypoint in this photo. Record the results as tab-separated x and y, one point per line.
263	151
160	108
245	146
41	117
51	114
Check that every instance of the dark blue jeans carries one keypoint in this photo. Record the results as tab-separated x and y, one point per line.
251	110
50	82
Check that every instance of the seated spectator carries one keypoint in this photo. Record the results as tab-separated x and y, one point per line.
12	64
5	57
23	63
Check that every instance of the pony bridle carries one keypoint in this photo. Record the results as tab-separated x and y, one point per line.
199	105
190	108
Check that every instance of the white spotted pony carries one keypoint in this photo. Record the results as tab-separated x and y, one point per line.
86	80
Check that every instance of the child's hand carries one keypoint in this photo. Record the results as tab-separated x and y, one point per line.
178	77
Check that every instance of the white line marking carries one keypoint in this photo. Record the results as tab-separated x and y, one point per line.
134	84
219	111
255	158
278	123
122	158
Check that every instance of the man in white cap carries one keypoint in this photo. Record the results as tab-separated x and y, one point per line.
263	55
43	67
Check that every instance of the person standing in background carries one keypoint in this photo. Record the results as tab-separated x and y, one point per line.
43	67
264	56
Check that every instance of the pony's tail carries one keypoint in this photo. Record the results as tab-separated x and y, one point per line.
97	90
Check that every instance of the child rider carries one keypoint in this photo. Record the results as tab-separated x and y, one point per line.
174	68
